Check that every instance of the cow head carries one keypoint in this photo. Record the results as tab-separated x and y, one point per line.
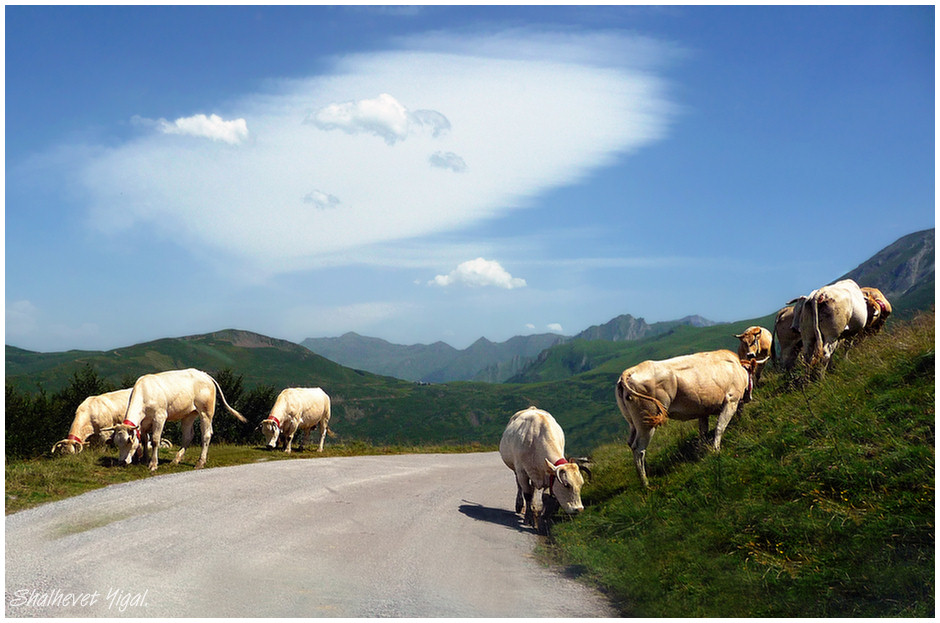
750	342
271	430
874	307
565	485
72	445
126	438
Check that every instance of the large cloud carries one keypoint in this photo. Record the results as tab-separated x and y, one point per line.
513	115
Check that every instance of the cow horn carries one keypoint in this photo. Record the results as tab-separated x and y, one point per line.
739	336
763	361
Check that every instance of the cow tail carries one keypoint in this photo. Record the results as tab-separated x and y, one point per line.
224	402
818	347
650	419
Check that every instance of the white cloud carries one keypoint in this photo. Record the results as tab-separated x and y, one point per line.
479	273
448	160
526	117
321	200
383	116
213	126
555	328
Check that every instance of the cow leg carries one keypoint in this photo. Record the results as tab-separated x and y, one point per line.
324	425
724	417
703	429
288	440
205	422
187	425
155	433
527	490
640	441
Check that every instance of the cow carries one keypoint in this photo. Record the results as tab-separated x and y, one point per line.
94	417
533	447
688	387
176	395
878	309
757	344
787	338
297	409
828	316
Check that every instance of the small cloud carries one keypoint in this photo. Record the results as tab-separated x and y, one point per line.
383	116
321	200
530	326
555	328
479	273
213	126
448	160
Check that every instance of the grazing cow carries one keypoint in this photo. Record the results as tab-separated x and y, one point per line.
533	447
93	417
756	343
297	409
878	309
177	395
787	338
826	317
688	387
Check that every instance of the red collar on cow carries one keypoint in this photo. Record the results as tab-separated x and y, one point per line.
74	438
134	426
551	477
884	308
276	421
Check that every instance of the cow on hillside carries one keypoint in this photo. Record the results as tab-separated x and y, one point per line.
786	338
828	316
94	416
533	447
177	395
689	387
297	409
757	344
878	309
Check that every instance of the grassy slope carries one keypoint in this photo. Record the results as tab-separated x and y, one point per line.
820	504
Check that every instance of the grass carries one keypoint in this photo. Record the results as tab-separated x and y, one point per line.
50	478
820	504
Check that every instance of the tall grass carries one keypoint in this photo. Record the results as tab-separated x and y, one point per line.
820	504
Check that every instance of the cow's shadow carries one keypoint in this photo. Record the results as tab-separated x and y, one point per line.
499	516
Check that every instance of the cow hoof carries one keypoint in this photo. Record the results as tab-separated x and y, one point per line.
200	465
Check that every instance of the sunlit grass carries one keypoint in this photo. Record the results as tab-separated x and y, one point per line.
820	504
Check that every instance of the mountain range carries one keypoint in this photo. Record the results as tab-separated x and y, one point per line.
903	271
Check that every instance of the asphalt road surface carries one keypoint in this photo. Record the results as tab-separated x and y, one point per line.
388	536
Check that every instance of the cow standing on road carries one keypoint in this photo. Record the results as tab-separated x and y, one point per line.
533	447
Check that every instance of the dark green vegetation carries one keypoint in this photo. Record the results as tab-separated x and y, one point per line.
43	390
821	503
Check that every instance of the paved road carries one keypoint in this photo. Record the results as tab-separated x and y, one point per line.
390	536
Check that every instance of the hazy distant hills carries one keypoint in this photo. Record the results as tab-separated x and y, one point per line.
481	361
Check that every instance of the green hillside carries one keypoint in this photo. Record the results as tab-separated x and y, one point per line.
578	356
821	503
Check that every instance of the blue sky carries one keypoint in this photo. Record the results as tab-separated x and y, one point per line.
446	173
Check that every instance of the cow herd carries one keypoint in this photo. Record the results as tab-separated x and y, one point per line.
688	387
134	418
693	387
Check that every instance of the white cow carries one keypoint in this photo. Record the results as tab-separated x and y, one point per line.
94	416
177	395
826	317
533	447
297	409
690	387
